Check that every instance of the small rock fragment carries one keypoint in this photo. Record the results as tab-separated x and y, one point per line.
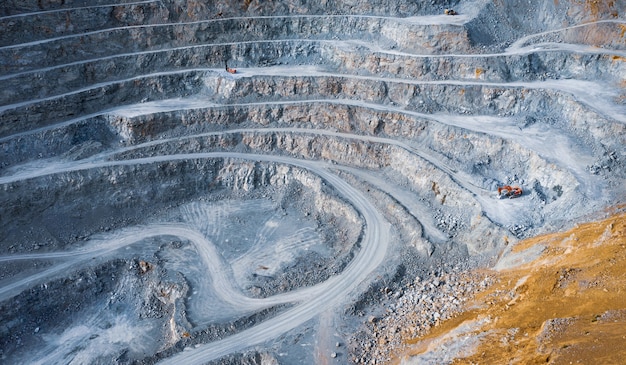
144	267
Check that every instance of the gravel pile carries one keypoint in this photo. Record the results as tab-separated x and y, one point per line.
413	311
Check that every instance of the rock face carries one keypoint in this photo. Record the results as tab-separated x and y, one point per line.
358	145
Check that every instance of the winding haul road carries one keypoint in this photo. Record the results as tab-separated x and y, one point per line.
311	301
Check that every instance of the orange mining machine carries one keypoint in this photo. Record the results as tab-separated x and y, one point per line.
508	191
228	69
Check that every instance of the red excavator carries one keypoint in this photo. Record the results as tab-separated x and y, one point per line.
508	191
228	69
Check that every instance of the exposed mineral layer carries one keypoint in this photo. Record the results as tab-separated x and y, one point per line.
227	182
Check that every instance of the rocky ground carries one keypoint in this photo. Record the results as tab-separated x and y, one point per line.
561	305
334	200
413	310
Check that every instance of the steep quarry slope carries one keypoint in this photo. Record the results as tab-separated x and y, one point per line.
156	208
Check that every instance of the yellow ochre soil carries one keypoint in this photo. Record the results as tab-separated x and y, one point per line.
566	306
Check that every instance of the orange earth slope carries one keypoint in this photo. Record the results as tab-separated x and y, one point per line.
559	299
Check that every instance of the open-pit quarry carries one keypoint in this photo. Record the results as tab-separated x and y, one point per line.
333	199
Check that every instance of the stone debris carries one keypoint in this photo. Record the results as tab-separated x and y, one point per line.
424	304
144	267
